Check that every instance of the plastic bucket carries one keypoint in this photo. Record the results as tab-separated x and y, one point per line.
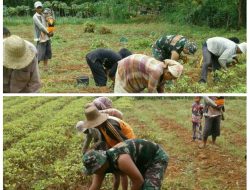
82	81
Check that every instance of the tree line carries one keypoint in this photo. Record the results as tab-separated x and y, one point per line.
214	13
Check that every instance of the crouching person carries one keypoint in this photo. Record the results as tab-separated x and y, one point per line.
144	162
138	72
20	66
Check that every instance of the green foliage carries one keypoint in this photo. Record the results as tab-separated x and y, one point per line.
89	27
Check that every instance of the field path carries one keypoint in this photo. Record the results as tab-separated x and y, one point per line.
211	161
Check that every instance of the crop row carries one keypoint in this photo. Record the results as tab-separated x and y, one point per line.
45	157
20	109
33	120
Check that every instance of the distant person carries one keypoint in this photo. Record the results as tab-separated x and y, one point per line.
138	72
103	63
6	33
42	35
144	162
104	105
213	115
219	52
172	46
197	113
20	66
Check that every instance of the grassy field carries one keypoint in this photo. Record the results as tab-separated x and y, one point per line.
70	45
42	149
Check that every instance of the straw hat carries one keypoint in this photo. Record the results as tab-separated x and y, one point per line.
17	53
79	127
174	67
94	117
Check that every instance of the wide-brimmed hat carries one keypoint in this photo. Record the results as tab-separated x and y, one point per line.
243	47
94	117
79	127
38	4
174	67
17	53
93	160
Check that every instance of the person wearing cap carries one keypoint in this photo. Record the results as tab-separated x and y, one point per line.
213	116
144	162
104	105
138	72
112	129
172	46
197	113
42	35
20	66
219	52
103	63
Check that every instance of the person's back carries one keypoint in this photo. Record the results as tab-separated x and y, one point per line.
20	73
137	72
142	152
218	45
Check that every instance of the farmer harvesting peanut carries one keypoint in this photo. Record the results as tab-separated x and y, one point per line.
42	35
172	46
219	52
112	130
144	162
213	115
138	72
103	63
20	66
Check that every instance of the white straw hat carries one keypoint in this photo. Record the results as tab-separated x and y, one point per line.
243	47
174	67
17	53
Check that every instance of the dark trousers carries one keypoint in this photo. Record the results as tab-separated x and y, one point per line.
209	59
212	127
98	72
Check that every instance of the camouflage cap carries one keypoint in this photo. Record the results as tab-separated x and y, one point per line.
93	160
191	46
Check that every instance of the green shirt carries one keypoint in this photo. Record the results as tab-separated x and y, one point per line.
170	43
142	152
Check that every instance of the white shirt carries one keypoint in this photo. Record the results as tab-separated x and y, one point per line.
224	48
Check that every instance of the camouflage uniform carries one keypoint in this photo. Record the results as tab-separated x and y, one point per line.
165	45
149	157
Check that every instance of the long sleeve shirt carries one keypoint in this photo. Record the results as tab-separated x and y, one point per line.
25	80
212	110
224	48
39	26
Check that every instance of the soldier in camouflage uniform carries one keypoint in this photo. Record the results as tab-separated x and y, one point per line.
143	161
171	46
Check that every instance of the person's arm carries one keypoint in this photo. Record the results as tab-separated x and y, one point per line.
175	55
127	166
97	182
226	57
86	143
210	102
34	83
39	24
116	182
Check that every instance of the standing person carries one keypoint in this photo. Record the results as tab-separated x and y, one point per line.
42	36
103	63
104	105
197	113
219	52
171	47
137	72
212	116
144	162
20	66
